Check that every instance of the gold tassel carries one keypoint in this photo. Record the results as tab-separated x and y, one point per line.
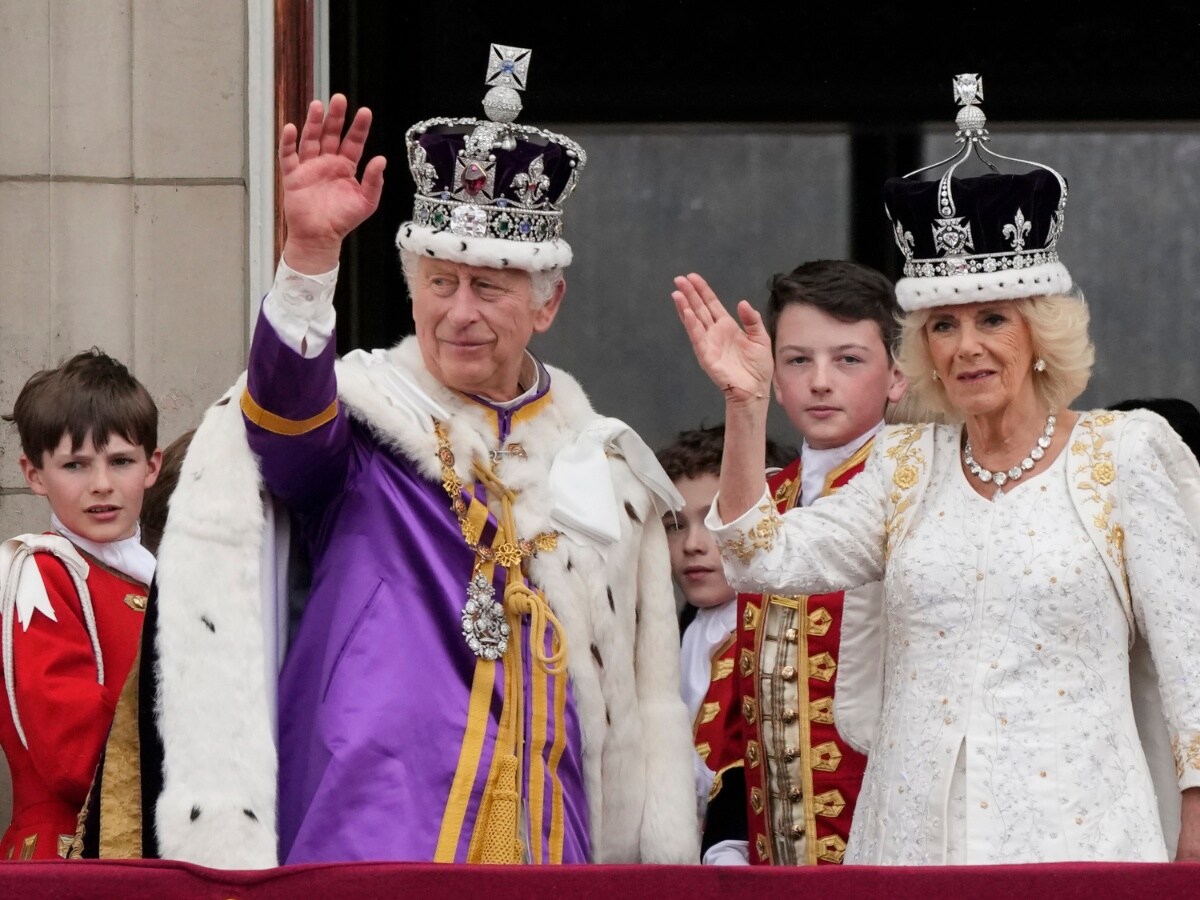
500	843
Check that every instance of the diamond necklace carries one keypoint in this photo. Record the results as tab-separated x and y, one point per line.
1001	478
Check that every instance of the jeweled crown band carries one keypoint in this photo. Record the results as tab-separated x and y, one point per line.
970	265
501	220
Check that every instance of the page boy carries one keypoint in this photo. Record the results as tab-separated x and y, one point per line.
833	326
73	598
693	463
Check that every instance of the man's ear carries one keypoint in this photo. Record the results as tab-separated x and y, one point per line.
543	316
33	475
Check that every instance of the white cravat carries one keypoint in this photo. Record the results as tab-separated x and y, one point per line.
127	556
706	633
815	465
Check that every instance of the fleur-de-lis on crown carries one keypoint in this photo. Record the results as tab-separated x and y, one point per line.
423	172
1057	220
1016	230
904	239
532	185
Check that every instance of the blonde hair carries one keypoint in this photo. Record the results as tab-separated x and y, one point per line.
1058	325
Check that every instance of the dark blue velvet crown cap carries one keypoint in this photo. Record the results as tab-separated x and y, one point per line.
968	240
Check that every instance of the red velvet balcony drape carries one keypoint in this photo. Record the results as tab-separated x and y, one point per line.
377	881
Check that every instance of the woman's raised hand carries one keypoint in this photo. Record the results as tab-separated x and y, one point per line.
736	357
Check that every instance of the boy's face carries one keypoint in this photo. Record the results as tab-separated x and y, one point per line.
695	560
833	378
96	494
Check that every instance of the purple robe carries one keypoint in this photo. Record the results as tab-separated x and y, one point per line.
376	688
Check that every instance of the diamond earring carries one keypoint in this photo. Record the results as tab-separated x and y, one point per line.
1040	365
934	375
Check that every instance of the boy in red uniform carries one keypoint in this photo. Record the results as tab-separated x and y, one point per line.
72	599
833	324
693	463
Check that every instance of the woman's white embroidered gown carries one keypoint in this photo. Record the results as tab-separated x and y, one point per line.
1007	731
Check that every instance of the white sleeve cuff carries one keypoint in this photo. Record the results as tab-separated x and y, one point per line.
727	853
713	522
300	309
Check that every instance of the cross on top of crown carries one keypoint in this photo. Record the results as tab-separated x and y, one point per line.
508	66
968	89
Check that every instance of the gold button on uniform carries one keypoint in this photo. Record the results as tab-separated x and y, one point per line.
756	801
746	663
749	709
752	753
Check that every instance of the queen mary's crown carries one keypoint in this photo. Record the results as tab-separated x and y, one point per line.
991	237
490	192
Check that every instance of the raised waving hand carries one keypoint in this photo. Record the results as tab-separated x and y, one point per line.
737	357
323	198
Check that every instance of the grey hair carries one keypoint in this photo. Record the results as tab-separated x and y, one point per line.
542	283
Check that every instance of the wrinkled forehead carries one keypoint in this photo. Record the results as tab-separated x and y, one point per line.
972	310
429	266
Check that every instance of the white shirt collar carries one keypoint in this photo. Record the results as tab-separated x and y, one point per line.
126	556
526	394
815	465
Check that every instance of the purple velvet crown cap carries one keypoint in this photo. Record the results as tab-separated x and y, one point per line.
489	192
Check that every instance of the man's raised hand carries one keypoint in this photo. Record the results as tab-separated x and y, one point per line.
323	199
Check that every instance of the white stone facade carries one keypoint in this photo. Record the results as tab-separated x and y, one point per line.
123	205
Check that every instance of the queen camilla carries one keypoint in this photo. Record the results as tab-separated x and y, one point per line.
1029	552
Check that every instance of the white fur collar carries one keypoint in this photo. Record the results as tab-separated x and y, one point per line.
398	402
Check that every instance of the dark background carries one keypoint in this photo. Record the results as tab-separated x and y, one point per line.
878	73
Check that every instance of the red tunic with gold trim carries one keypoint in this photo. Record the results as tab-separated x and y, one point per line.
64	711
717	728
802	779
